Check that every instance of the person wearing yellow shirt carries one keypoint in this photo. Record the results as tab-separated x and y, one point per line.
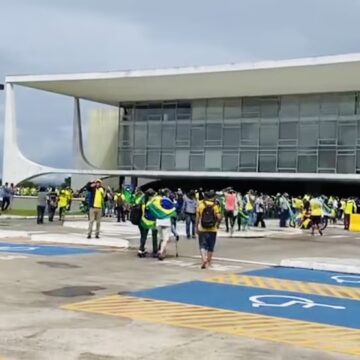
208	218
350	208
96	205
62	203
316	214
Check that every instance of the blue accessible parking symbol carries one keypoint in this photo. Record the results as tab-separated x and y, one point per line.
281	304
43	250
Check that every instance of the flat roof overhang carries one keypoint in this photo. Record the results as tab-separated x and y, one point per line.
338	73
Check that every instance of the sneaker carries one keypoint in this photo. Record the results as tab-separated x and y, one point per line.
188	236
194	236
321	233
141	254
177	237
203	265
97	237
88	237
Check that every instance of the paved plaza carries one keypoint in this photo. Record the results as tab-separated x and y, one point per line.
65	299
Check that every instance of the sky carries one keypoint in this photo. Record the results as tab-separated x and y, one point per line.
65	36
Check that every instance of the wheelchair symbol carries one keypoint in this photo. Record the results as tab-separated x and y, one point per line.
261	301
350	279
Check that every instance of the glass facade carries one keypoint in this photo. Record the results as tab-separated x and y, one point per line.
317	133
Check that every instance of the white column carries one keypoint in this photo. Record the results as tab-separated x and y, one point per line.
16	167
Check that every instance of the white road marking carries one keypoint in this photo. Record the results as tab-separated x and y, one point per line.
239	261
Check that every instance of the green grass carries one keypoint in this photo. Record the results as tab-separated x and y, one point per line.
20	212
32	212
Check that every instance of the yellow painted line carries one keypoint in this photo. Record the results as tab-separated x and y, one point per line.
299	333
288	285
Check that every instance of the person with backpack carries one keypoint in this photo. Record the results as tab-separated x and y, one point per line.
189	210
120	206
208	219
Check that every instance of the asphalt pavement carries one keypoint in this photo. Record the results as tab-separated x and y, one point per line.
63	301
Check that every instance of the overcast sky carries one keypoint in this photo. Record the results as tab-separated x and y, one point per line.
57	36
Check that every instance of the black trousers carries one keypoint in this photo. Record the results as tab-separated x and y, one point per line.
259	219
143	237
51	211
229	215
5	203
40	214
120	212
346	221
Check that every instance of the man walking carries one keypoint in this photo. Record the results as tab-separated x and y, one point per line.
208	218
230	209
96	205
42	197
259	210
189	209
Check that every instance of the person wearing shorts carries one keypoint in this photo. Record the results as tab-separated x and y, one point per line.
207	236
316	213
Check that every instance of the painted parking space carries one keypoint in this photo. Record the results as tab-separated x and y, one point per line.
288	285
42	250
281	304
314	276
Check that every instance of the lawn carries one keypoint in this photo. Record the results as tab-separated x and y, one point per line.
31	212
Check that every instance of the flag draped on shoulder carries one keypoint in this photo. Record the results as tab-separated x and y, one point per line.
161	207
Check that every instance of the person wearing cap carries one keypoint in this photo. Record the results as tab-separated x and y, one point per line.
96	205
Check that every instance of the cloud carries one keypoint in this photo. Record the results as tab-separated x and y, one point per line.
90	35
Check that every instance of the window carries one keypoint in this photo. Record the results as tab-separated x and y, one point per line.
287	159
167	161
141	113
197	162
248	159
199	110
347	104
308	134
155	112
289	108
231	136
307	163
230	161
154	134
269	107
267	163
329	105
214	132
168	136
232	108
269	134
183	131
183	111
345	164
197	137
251	107
250	133
182	159
347	135
288	130
125	159
213	159
169	112
125	134
215	109
328	129
327	158
153	159
139	161
140	135
309	106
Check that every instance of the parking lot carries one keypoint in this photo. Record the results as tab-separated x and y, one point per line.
62	301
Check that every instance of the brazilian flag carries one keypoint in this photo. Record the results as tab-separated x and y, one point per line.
129	196
161	207
148	221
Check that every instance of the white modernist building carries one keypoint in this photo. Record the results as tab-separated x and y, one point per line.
294	119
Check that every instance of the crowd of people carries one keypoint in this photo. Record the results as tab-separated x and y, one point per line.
202	211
